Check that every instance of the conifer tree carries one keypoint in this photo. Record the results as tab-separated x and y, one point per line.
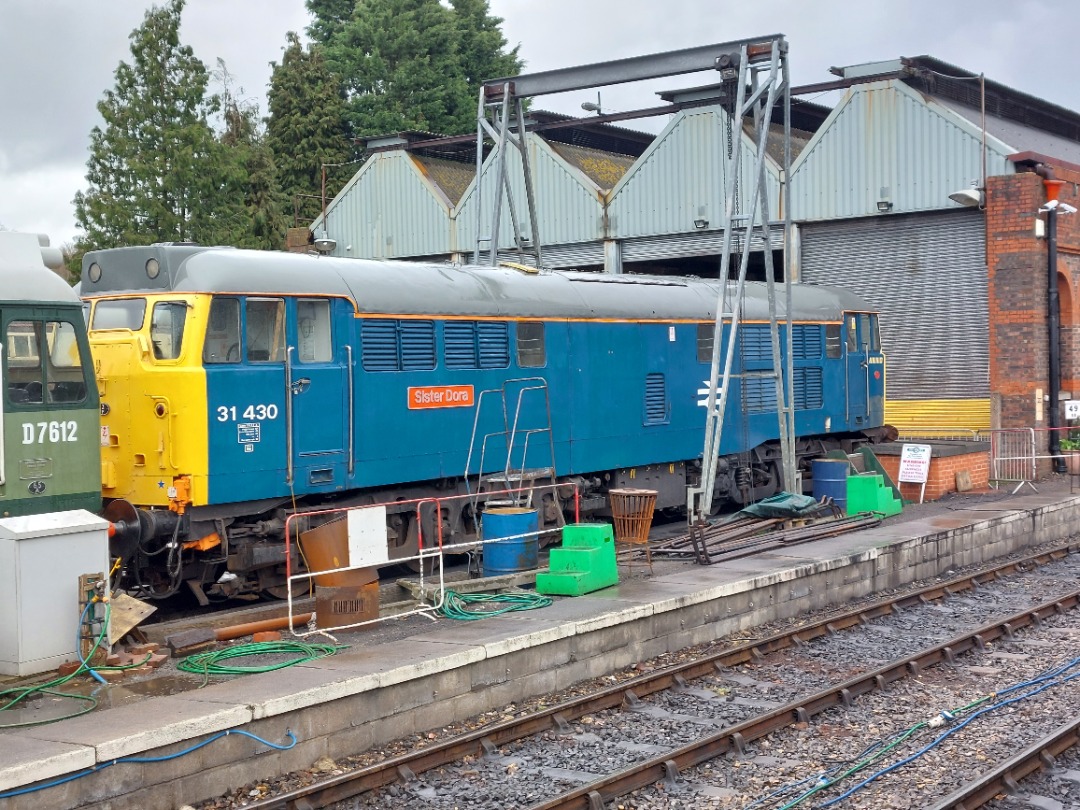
306	128
150	166
411	64
247	207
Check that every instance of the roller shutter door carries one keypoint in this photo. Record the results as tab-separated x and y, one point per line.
686	245
927	273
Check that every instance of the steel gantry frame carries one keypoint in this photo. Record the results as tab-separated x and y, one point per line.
757	70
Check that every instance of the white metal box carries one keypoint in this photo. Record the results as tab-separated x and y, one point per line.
41	560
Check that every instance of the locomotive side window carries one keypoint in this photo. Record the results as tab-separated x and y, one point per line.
167	321
531	351
705	332
23	358
223	332
870	334
126	313
313	331
832	340
64	374
852	333
43	363
264	331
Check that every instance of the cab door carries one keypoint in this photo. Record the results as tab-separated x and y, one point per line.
244	357
318	384
856	371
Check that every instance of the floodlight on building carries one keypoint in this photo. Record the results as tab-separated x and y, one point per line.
968	197
1056	206
884	206
701	223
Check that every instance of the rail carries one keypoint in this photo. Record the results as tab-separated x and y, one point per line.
1003	778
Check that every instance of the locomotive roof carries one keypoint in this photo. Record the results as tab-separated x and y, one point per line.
24	276
394	287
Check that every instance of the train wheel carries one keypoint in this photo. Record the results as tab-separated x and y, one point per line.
301	589
427	566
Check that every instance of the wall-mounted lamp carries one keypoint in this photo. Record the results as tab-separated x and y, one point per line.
969	197
701	224
325	245
884	206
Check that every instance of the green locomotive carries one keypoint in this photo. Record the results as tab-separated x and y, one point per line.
50	445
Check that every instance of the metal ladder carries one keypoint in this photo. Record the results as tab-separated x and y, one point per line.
511	477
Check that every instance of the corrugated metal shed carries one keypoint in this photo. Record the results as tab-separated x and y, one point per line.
886	142
681	178
391	208
569	202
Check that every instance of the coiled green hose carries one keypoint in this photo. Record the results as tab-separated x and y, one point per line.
213	662
472	606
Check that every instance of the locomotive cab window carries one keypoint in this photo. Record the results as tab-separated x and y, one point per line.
44	363
264	330
222	344
313	331
124	313
167	321
852	333
870	336
531	351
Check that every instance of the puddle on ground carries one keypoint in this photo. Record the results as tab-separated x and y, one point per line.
52	706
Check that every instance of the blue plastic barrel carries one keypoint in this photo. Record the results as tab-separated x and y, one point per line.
510	540
830	479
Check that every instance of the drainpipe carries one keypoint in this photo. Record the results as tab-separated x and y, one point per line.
1053	318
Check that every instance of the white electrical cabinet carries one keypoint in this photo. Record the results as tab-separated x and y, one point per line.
41	560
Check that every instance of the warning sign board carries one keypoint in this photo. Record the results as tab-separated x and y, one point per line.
915	463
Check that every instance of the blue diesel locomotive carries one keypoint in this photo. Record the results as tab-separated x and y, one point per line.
239	386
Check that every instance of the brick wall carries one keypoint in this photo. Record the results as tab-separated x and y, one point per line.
943	470
1017	282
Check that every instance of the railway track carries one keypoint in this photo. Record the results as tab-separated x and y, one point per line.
400	774
1006	777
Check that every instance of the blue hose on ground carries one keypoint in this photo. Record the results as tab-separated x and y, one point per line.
1040	683
144	760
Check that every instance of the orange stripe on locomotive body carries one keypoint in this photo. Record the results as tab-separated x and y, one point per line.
154	420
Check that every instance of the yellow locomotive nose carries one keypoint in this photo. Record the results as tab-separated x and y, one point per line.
153	393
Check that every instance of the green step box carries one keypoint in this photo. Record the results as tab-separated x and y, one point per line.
584	563
868	492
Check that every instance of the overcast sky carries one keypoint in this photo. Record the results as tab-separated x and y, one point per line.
57	58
